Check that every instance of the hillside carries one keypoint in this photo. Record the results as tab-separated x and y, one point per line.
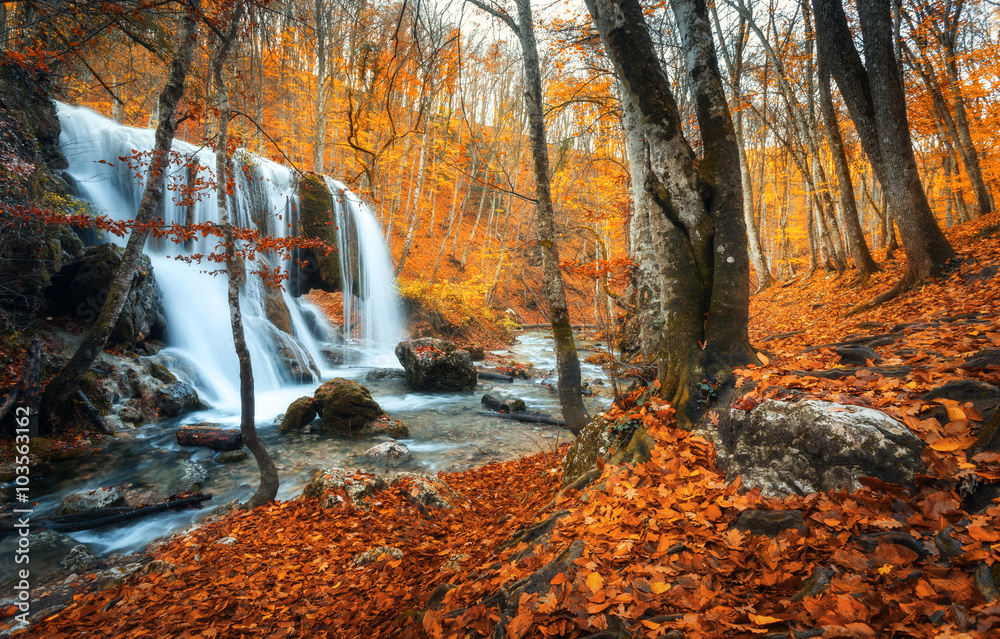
650	549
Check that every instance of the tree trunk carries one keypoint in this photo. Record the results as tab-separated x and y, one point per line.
875	99
268	488
697	207
65	384
863	260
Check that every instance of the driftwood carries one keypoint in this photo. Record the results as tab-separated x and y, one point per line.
71	523
209	436
528	418
92	413
495	377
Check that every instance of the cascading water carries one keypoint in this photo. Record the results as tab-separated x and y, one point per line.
199	336
373	315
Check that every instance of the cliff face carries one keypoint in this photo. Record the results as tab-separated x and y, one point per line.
30	251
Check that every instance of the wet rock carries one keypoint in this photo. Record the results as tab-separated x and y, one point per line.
429	490
387	454
80	560
131	414
299	414
47	547
768	522
175	398
436	365
190	477
231	456
856	355
345	406
374	554
336	486
984	398
91	500
386	373
117	576
983	359
813	446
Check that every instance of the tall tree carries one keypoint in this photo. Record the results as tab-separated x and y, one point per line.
65	384
873	92
567	363
268	488
697	203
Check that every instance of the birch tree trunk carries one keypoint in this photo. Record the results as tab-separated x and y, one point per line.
697	207
65	384
268	488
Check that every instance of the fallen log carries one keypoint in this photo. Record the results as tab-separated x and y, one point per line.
510	405
495	377
528	418
75	523
209	436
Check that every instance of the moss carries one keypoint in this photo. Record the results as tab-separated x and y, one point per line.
317	222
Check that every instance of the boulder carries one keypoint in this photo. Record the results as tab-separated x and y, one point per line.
429	490
336	486
387	454
79	560
91	500
299	414
385	427
190	476
175	398
813	446
345	406
436	365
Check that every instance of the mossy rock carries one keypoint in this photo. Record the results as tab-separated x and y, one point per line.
316	221
300	413
345	406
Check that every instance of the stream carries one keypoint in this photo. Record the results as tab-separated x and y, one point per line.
446	433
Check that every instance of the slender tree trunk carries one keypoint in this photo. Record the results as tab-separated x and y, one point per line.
863	260
268	488
65	384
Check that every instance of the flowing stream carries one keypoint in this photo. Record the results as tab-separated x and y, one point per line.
446	433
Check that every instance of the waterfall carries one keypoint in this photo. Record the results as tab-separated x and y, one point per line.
373	315
199	336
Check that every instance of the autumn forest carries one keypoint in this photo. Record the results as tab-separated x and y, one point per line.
696	303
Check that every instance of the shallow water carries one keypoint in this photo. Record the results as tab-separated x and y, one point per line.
446	433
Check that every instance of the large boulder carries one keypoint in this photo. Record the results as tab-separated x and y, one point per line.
345	406
175	398
436	365
299	414
813	446
318	268
81	288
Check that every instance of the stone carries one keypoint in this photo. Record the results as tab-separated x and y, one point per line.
812	446
336	486
983	359
176	398
387	454
429	490
117	576
345	406
190	477
79	560
231	456
48	549
385	427
91	500
299	414
386	373
131	414
436	365
984	398
767	522
856	355
374	554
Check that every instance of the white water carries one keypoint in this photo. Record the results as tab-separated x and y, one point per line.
199	335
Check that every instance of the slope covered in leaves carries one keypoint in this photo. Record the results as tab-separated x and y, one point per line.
649	549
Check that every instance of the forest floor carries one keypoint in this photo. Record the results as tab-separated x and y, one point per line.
649	547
